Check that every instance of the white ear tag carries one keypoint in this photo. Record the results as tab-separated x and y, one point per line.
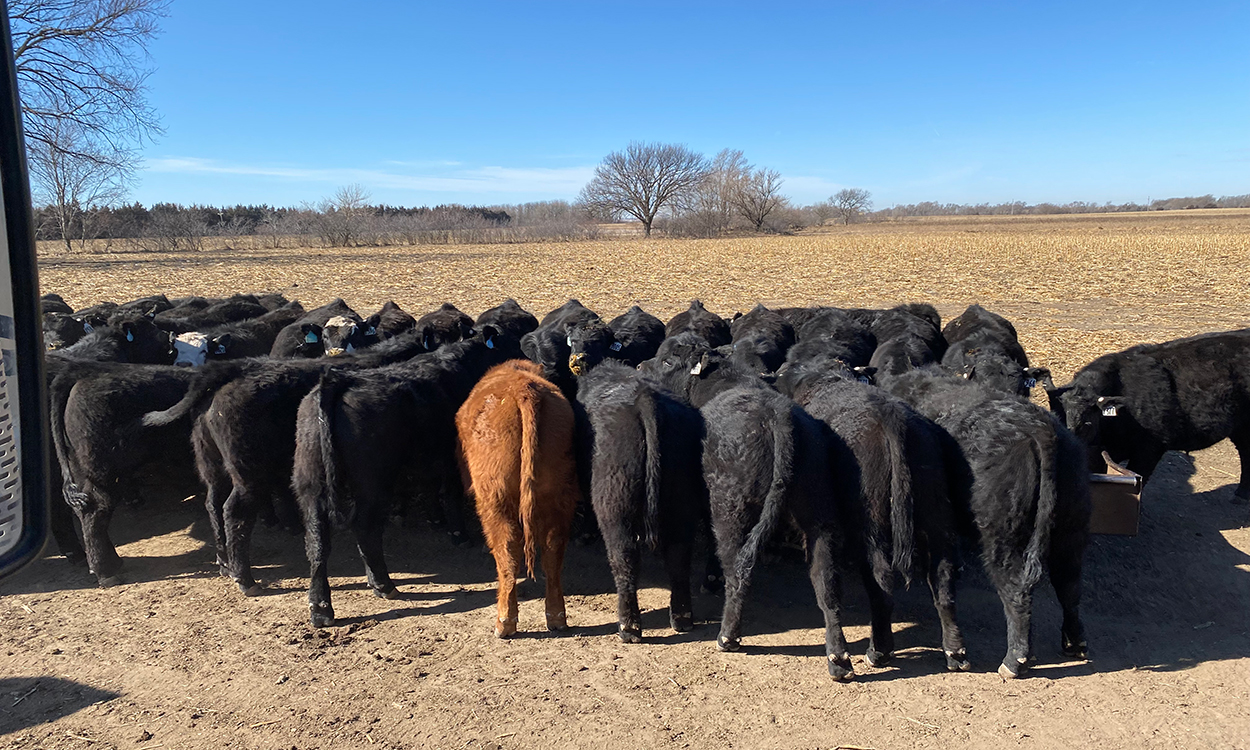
616	346
568	340
1110	411
1030	382
310	337
698	368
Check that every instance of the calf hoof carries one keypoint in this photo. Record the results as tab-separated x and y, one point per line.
840	668
505	628
682	623
957	661
108	582
1241	495
728	645
630	635
1009	671
877	659
386	592
557	621
1075	650
321	616
252	589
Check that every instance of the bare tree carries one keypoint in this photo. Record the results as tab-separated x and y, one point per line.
74	180
850	203
84	62
710	205
823	211
342	218
642	180
758	195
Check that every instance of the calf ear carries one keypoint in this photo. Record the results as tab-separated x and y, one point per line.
1041	375
1111	406
489	334
467	332
219	345
312	333
427	339
737	314
864	374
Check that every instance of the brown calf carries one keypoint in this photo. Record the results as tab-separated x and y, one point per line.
516	458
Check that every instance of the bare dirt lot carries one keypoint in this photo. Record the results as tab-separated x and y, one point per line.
177	658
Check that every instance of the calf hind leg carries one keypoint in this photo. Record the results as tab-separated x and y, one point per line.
1018	608
881	605
827	584
553	567
942	574
623	558
1065	576
1242	443
680	610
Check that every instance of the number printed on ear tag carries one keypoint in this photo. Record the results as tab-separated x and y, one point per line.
1029	382
1110	411
863	379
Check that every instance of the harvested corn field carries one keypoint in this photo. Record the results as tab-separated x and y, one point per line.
178	658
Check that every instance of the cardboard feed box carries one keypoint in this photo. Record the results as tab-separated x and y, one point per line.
1115	500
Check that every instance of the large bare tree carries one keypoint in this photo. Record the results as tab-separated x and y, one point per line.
851	203
642	180
710	204
85	62
758	195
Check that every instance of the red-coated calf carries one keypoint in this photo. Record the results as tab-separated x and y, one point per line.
516	457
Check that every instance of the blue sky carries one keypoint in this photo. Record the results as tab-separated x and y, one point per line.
423	103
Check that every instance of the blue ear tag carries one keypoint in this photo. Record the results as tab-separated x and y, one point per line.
221	348
130	335
490	344
616	346
310	337
569	340
87	328
370	331
1030	382
863	379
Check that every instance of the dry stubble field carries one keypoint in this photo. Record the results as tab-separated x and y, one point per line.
177	658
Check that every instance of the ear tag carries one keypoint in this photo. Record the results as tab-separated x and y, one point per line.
310	337
1110	411
87	328
370	331
569	340
616	346
130	335
221	348
1030	382
698	368
863	379
490	343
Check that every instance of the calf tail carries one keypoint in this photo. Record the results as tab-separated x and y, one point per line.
774	502
649	412
528	407
207	381
902	503
1047	500
58	396
339	504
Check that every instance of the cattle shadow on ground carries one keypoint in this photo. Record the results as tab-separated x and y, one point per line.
31	701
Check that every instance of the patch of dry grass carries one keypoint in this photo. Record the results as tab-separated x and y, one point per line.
1075	286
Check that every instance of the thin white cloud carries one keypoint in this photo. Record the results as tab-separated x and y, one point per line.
435	177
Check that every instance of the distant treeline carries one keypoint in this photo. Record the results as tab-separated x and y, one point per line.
347	221
930	208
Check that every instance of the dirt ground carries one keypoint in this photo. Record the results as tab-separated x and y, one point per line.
177	658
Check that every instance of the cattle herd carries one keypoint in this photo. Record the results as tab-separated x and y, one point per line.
880	440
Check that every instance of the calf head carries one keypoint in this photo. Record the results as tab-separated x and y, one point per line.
61	330
1002	374
310	342
191	349
590	343
143	342
342	335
